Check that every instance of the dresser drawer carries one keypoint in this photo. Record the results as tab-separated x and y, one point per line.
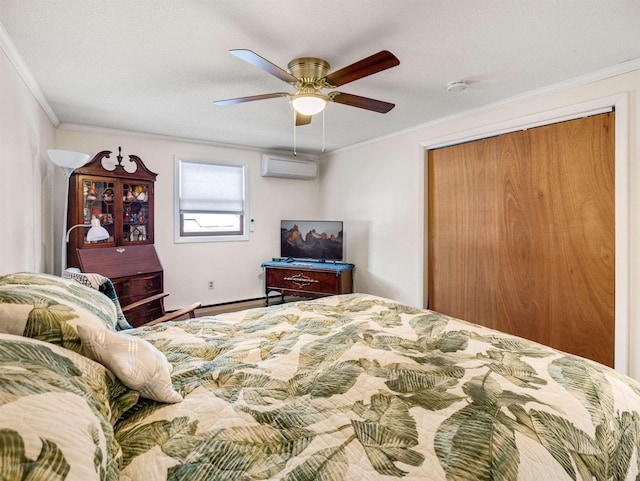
307	281
144	313
132	289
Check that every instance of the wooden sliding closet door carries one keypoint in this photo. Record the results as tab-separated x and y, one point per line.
521	234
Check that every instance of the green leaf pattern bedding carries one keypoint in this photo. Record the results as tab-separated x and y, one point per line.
358	387
56	413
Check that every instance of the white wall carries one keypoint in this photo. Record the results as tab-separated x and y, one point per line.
375	190
378	189
233	266
26	176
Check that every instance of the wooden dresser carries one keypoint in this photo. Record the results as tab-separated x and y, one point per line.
307	279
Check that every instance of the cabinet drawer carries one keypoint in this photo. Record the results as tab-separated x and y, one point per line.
308	281
145	313
133	289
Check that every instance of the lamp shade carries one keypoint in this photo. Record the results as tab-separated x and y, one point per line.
68	159
308	104
97	232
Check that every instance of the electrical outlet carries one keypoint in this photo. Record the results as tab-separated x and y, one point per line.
211	285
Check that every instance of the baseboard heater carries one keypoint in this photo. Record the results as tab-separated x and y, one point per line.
231	303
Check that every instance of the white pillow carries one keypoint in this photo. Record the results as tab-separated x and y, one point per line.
136	362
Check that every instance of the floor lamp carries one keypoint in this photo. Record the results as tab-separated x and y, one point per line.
68	161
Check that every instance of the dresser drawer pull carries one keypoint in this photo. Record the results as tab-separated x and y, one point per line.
301	280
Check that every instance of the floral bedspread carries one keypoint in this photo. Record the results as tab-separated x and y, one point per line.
357	387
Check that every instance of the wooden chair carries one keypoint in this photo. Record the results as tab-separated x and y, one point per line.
158	299
142	312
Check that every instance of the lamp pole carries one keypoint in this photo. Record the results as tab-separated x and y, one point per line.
68	161
63	253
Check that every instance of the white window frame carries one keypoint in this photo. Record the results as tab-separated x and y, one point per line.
178	238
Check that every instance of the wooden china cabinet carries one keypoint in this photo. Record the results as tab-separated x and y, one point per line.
120	193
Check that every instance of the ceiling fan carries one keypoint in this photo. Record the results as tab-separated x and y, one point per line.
309	76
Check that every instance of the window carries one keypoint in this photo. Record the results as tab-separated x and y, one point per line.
210	202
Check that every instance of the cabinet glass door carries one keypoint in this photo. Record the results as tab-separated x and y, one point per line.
98	201
135	207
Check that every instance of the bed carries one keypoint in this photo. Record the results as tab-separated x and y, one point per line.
350	387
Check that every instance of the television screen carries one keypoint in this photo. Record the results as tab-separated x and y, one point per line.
319	240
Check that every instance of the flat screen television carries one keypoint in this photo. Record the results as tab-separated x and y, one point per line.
318	240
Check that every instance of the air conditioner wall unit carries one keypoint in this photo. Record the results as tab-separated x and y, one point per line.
288	167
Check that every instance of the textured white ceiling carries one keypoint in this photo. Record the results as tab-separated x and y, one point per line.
156	65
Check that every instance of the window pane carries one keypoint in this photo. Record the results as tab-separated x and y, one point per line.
195	223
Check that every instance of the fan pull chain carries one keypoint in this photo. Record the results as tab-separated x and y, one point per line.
323	143
294	133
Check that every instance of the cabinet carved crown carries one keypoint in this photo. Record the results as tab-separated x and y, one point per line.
118	192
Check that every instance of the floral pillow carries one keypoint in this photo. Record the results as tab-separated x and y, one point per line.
49	308
57	410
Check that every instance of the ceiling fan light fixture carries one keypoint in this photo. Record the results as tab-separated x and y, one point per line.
308	104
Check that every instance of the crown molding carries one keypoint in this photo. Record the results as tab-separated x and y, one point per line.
172	138
16	59
591	77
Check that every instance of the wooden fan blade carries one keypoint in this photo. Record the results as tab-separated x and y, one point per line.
262	63
367	66
361	102
302	119
241	100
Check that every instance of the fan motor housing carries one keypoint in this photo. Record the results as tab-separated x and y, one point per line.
308	68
